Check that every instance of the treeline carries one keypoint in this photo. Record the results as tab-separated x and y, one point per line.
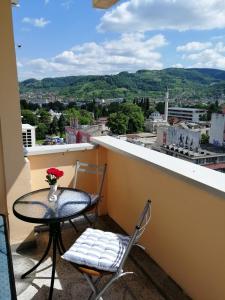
122	117
126	117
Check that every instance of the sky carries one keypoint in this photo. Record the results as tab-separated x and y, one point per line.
56	38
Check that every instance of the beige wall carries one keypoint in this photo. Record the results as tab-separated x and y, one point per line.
3	204
187	233
66	162
14	173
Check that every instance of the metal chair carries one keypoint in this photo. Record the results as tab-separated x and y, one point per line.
98	253
93	169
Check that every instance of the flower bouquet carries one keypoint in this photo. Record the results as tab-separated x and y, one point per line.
52	176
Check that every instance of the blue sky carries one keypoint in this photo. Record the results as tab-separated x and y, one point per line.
69	37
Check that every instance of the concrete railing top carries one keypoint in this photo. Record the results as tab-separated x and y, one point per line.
198	174
41	150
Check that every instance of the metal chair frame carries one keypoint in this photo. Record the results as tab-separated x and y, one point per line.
89	272
100	170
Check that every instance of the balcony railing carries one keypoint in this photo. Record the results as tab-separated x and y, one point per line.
186	236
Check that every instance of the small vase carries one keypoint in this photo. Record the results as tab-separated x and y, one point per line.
52	196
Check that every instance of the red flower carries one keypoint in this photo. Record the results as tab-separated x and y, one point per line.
53	175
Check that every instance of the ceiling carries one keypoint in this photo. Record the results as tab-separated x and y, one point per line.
103	4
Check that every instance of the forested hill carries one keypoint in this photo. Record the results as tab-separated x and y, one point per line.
188	83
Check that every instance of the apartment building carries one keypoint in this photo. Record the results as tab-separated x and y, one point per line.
188	114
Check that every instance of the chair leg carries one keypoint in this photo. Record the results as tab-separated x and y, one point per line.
91	283
87	219
93	286
108	284
98	296
73	225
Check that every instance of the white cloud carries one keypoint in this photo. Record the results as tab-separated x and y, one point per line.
208	58
37	22
19	64
177	66
204	55
129	53
67	3
193	46
145	15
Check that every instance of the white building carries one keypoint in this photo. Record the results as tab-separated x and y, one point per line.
217	130
180	137
188	114
54	114
154	121
28	133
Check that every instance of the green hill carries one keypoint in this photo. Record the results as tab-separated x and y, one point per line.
186	83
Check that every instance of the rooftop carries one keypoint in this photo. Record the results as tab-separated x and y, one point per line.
187	109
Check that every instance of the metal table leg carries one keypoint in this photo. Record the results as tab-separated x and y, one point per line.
42	258
55	239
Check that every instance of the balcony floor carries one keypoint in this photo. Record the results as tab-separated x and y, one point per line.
148	282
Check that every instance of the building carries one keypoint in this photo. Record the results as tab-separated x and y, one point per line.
179	137
154	121
217	130
210	158
83	133
184	143
188	114
144	139
28	133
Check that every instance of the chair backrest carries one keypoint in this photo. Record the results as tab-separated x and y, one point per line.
83	167
139	229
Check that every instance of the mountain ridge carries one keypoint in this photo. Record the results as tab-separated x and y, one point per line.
190	82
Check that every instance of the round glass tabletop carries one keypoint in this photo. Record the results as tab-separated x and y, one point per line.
35	207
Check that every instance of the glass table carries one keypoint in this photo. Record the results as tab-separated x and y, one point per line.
35	207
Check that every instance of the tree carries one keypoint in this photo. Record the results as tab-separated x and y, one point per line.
54	126
135	117
113	107
160	107
41	131
72	116
28	117
72	104
28	105
45	117
62	124
212	108
83	116
128	119
204	138
118	123
24	104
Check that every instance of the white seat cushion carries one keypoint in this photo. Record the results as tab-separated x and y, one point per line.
98	249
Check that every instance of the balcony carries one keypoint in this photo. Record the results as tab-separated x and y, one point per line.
186	234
